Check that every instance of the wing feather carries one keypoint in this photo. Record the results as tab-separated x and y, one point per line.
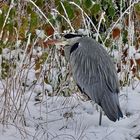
92	67
95	73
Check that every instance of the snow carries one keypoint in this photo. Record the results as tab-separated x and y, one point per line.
137	56
131	51
40	33
65	118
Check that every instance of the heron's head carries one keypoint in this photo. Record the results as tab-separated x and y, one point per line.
71	39
68	39
70	42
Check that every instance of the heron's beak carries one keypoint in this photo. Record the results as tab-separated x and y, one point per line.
56	42
61	42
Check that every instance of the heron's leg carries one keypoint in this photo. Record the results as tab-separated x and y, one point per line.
100	118
98	108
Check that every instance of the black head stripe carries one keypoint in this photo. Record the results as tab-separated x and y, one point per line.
74	47
68	36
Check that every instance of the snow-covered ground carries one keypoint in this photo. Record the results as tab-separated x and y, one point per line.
70	118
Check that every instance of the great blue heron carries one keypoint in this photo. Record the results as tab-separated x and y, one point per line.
93	72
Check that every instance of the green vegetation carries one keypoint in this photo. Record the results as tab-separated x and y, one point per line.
109	21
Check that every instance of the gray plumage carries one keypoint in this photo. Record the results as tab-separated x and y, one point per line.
95	74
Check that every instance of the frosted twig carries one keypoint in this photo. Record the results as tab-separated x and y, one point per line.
68	136
11	6
67	16
125	12
67	20
73	3
108	134
42	13
24	56
99	25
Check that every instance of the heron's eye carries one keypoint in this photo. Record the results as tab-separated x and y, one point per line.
74	47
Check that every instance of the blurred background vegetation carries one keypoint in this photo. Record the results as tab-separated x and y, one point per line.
26	25
29	65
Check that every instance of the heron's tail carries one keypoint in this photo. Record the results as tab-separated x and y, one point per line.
111	107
